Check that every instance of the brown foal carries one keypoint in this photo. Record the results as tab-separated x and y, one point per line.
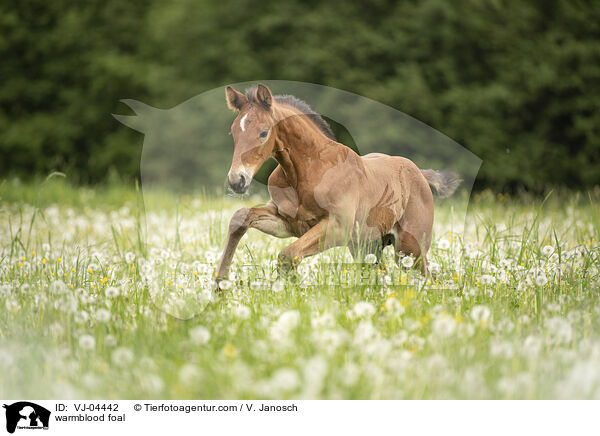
322	192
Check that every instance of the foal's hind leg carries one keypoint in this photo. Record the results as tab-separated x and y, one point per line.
263	218
407	244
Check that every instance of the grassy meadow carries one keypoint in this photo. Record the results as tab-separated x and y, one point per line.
105	296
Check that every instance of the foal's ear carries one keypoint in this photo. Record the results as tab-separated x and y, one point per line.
264	96
235	99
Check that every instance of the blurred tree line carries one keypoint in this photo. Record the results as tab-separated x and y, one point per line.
517	83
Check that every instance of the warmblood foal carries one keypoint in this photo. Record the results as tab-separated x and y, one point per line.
322	192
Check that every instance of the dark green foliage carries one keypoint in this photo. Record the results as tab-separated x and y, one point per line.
517	83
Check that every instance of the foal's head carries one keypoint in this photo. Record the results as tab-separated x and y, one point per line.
252	132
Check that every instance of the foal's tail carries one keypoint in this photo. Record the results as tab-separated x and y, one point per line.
444	183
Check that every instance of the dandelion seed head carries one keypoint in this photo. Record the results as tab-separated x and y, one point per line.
111	292
199	335
407	262
370	258
225	285
102	315
87	342
547	250
443	244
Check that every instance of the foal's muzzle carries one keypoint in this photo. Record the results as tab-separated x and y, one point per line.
239	182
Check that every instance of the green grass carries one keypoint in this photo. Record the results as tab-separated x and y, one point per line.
89	286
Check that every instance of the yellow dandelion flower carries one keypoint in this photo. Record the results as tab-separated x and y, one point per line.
229	351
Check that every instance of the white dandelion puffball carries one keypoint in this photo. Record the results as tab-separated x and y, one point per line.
225	285
289	319
434	268
189	374
444	326
102	315
443	244
110	341
122	356
87	342
487	279
278	286
81	317
370	258
547	250
286	379
255	285
111	292
210	258
241	311
199	335
407	262
480	313
129	257
541	280
58	287
363	309
393	306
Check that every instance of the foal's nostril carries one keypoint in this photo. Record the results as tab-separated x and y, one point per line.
239	185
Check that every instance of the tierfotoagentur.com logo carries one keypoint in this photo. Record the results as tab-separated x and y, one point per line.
26	415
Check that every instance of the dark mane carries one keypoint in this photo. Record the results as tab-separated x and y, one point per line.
301	105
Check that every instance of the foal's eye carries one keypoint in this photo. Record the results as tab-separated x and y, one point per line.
264	133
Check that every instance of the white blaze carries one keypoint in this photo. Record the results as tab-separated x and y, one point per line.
242	123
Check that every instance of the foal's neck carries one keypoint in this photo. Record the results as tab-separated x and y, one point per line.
301	137
298	147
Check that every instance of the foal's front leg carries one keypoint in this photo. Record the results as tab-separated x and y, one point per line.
263	218
324	235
